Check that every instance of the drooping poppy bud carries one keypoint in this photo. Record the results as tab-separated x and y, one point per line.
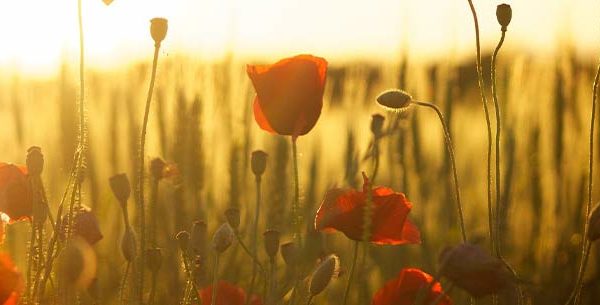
76	263
271	239
474	270
377	125
86	225
120	187
153	259
233	217
289	252
158	29
128	248
183	239
258	162
328	269
35	161
394	100
157	167
223	238
504	15
594	224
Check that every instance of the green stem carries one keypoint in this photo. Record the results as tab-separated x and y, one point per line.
142	220
351	275
450	147
213	298
481	85
498	132
296	203
255	238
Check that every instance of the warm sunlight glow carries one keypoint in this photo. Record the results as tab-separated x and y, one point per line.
38	34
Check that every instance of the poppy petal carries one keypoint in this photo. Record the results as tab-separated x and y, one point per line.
403	289
260	118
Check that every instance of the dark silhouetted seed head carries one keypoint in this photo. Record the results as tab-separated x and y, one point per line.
223	238
271	239
157	167
120	187
233	217
35	161
86	225
394	100
258	162
504	15
289	252
158	29
328	269
377	124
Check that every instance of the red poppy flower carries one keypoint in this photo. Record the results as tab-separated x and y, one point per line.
342	210
15	193
227	294
10	281
289	94
404	289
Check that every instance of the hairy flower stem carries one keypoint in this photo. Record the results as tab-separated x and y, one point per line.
296	213
351	275
498	132
450	148
213	299
481	85
585	251
142	220
255	237
309	299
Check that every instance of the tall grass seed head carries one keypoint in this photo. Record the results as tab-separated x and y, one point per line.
258	162
120	186
377	121
395	100
223	238
271	240
594	224
128	244
328	269
504	15
233	217
35	161
158	29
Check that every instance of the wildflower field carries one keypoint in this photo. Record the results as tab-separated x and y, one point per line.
303	180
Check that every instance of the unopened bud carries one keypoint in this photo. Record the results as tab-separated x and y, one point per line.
128	245
258	162
223	238
199	238
183	239
377	125
86	225
233	217
158	29
394	100
328	269
153	259
504	15
120	187
157	167
271	239
35	161
289	252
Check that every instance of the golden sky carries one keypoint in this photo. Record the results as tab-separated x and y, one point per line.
38	34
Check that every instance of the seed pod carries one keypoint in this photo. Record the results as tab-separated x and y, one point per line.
199	238
158	29
474	270
289	252
35	161
271	239
223	238
76	263
504	15
594	224
233	217
259	162
86	225
121	187
128	245
394	100
377	125
157	167
183	238
153	259
328	269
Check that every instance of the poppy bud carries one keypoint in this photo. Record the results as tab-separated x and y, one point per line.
157	166
86	225
594	224
271	239
377	124
289	252
474	270
153	259
198	238
35	161
320	278
259	162
223	238
120	187
183	238
233	217
504	15
158	29
394	99
76	263
128	245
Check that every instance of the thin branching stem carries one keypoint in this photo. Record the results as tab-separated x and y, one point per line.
450	147
351	275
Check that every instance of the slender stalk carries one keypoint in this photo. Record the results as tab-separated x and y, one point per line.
351	275
213	299
498	133
481	85
272	282
248	252
142	221
309	300
296	203
585	251
450	148
152	289
255	237
123	284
